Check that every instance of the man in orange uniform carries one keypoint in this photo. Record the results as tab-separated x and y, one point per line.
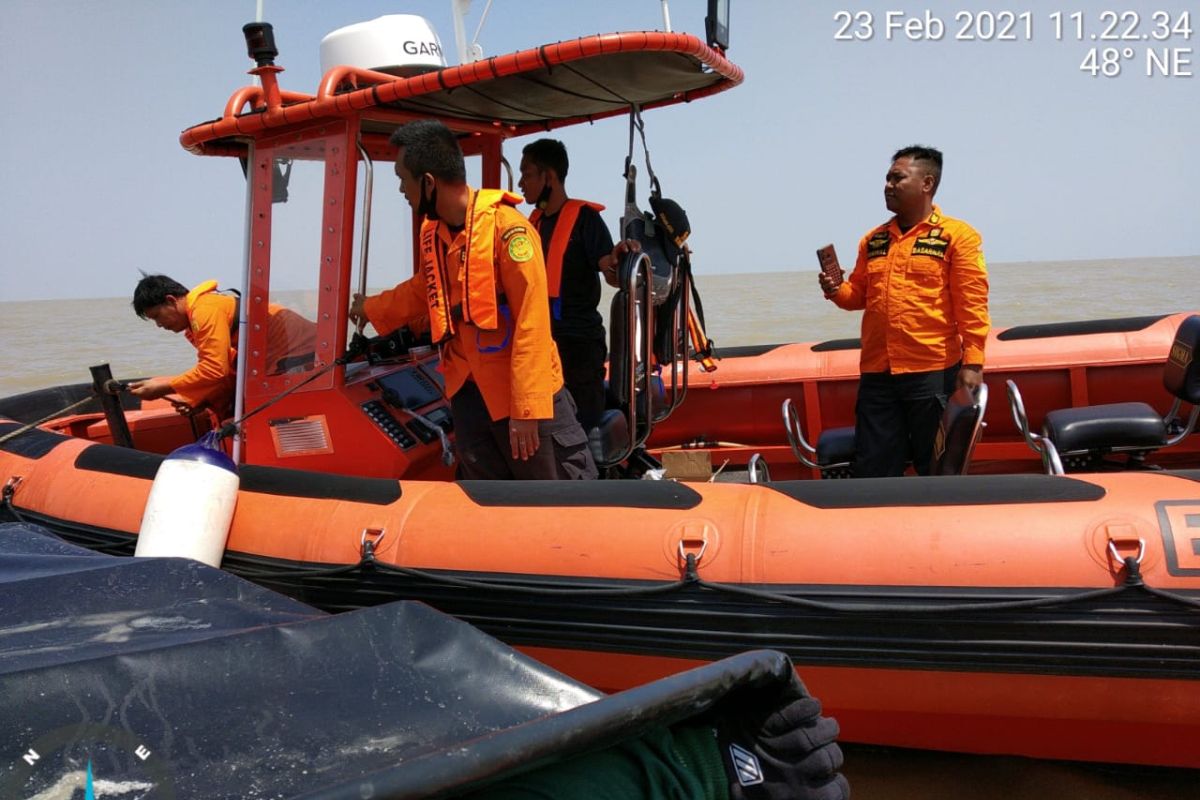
575	244
922	279
209	320
482	284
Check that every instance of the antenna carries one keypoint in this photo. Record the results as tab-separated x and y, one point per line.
467	52
258	14
666	16
458	10
476	50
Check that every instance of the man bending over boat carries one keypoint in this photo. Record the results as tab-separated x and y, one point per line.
922	280
576	246
209	320
482	284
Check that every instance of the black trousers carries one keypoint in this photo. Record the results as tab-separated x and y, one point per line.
583	373
484	452
896	420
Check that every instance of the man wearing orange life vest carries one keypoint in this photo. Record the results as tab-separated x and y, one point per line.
575	244
482	283
209	320
922	280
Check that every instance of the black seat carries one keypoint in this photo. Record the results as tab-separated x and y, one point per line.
835	449
959	431
609	440
833	456
1113	425
1079	438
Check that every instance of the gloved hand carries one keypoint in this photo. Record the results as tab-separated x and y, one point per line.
779	747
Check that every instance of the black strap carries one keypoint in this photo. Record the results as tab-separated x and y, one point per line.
632	211
237	310
456	311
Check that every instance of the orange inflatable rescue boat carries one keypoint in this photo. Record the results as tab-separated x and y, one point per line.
1047	603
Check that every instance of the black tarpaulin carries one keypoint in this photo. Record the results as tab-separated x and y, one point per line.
167	678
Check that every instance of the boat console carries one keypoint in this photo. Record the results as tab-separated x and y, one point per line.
407	403
386	417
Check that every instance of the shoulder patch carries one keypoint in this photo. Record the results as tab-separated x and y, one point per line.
520	248
513	231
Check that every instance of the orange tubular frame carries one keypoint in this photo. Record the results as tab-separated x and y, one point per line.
202	139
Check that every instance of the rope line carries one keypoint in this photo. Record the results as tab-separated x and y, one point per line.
31	425
368	563
732	589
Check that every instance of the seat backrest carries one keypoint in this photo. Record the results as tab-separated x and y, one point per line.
1181	376
650	235
609	440
618	350
958	431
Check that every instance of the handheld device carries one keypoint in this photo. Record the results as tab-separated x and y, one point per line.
827	258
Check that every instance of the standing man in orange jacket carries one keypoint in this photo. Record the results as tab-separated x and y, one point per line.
576	245
482	284
922	280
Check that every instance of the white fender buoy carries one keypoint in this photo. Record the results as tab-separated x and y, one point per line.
191	504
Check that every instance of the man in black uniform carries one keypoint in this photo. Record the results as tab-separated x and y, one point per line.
577	247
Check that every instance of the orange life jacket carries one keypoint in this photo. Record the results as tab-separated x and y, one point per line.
480	306
559	240
210	287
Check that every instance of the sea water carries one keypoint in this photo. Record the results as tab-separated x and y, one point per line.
50	342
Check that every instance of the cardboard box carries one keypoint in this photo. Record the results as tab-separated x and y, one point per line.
687	465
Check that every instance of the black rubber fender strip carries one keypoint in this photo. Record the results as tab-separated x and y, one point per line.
577	494
1082	328
837	344
33	443
950	490
1186	474
264	480
744	350
320	485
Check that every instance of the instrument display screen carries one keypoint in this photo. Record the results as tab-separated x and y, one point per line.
409	388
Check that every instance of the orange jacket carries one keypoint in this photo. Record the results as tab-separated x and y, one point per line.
212	330
925	294
211	318
507	351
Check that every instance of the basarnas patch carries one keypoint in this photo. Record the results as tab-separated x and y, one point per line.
934	244
520	248
879	244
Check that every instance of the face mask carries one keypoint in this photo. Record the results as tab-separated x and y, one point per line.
428	207
543	198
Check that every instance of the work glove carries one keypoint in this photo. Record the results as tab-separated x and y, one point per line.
777	746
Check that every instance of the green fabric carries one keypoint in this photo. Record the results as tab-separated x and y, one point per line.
678	764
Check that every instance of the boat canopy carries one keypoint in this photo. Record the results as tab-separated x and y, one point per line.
532	90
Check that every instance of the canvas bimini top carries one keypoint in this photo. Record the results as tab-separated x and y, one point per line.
532	90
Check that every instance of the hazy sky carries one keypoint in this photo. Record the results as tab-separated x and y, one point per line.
1047	161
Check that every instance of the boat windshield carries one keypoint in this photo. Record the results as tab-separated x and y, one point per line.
288	248
391	223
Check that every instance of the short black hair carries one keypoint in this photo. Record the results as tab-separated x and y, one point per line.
429	146
548	154
152	290
930	155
